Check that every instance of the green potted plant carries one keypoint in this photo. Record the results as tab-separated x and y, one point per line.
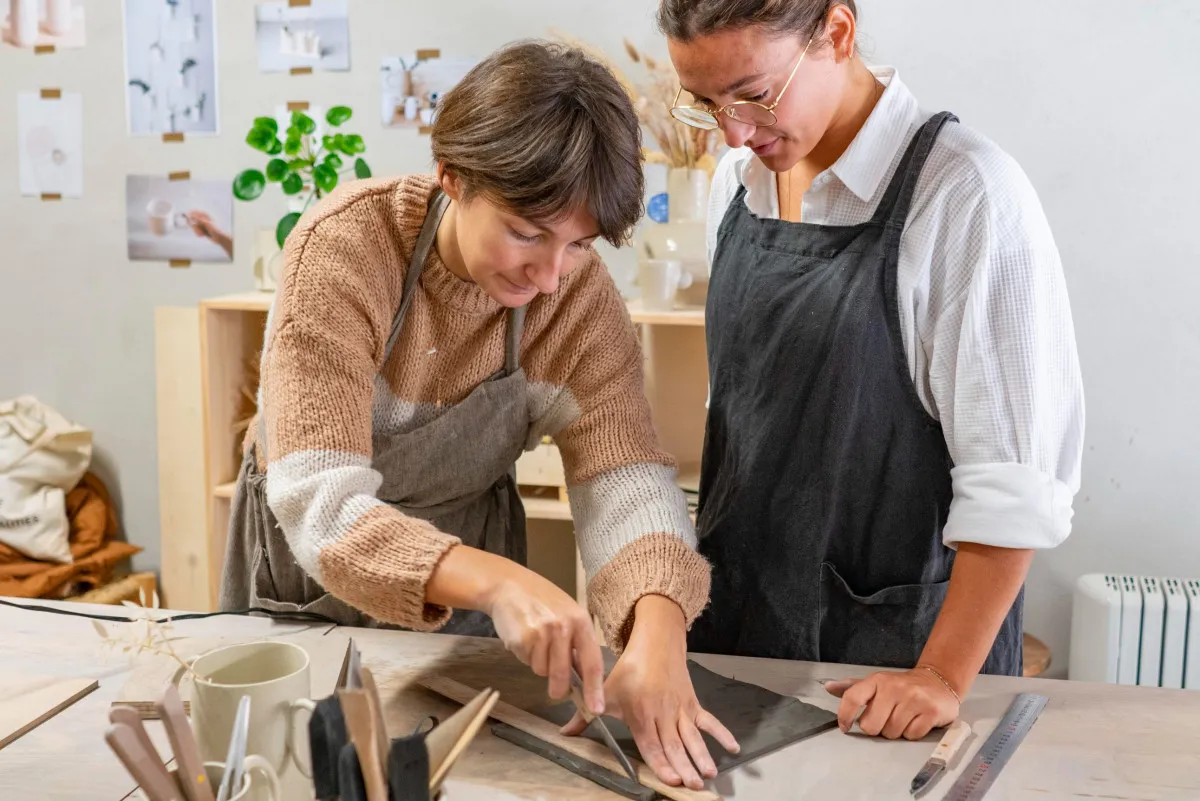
299	163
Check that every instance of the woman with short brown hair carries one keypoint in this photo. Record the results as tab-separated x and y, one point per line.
427	330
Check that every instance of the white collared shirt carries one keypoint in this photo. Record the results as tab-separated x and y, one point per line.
984	313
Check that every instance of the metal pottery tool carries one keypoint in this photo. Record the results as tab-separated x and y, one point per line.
577	697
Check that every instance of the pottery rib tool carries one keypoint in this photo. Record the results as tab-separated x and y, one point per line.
133	720
943	756
582	748
147	770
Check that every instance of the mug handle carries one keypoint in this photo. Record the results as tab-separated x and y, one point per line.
181	220
256	764
183	669
310	706
685	278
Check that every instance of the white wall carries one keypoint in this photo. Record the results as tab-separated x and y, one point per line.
1098	99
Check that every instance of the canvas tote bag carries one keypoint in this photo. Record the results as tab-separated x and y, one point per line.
42	457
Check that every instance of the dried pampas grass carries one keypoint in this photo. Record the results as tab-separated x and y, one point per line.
678	145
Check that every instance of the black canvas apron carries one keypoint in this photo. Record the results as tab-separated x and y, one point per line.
457	471
825	483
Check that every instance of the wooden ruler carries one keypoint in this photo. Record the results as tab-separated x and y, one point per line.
1001	744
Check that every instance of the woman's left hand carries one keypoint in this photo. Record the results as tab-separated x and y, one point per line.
651	691
908	704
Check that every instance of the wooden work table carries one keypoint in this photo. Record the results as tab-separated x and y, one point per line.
1092	741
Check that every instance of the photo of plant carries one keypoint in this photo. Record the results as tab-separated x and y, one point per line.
171	66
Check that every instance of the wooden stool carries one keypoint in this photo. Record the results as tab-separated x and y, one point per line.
1037	657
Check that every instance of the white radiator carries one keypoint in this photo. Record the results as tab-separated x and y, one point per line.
1139	630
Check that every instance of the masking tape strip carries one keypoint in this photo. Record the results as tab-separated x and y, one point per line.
181	262
42	49
298	105
425	55
173	137
301	70
51	94
51	196
183	175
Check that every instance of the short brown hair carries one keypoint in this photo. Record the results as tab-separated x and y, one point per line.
543	129
685	20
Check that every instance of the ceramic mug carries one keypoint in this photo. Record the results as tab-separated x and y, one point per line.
163	218
250	790
276	677
659	280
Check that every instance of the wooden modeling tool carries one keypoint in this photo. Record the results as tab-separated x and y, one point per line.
148	771
461	728
376	705
192	777
357	711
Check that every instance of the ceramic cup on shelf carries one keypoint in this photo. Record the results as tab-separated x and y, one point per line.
58	17
660	280
259	782
23	22
163	218
276	676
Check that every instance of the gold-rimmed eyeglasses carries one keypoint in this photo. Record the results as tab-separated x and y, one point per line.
749	112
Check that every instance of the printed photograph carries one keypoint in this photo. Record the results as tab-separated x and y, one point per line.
412	87
316	36
168	219
171	66
39	23
50	144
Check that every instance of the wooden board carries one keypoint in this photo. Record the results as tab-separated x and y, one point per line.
182	500
26	702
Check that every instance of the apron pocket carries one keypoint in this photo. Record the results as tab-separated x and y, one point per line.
266	595
886	629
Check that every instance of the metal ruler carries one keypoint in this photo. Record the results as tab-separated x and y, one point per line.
977	779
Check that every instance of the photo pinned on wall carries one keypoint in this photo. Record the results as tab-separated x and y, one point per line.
44	23
315	36
171	66
188	220
413	86
50	144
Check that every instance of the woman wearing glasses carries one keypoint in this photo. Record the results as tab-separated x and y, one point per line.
896	415
427	330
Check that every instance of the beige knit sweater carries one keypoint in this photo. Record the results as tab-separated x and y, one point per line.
325	391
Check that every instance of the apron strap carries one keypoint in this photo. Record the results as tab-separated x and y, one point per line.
893	209
512	340
433	218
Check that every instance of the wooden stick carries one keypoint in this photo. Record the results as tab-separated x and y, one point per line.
579	746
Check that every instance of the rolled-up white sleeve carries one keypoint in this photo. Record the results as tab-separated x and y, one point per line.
1004	372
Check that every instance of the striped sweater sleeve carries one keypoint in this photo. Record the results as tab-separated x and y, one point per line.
326	344
631	518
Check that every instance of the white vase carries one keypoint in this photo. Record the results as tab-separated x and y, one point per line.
58	17
687	195
23	17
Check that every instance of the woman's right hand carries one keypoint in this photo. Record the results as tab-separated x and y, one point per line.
549	631
539	623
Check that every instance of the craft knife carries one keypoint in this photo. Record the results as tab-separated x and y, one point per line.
577	697
943	755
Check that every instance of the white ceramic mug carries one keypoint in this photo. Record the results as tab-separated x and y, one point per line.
259	782
659	280
163	218
276	677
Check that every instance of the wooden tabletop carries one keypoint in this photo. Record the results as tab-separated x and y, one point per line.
1092	742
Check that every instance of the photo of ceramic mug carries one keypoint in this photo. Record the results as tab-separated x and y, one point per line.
163	218
276	677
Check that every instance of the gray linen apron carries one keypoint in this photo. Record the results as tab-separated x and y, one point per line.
457	471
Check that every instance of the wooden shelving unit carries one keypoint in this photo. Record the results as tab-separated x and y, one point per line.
207	361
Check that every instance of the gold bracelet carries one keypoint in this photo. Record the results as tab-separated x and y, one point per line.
942	679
